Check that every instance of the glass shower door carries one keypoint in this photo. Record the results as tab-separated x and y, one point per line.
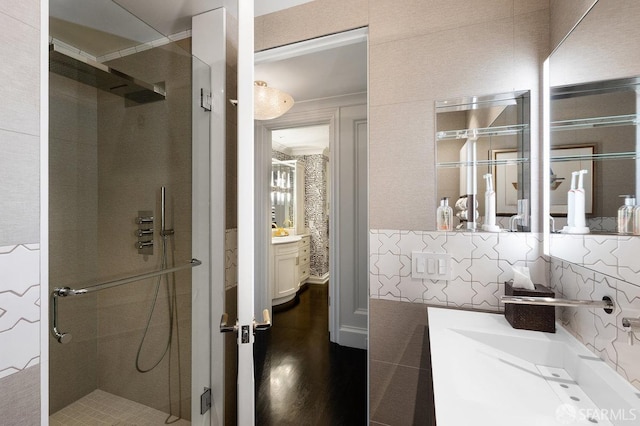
127	135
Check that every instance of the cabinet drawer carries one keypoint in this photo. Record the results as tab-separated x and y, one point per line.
305	241
304	251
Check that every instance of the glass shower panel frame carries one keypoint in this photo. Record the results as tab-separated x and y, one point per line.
110	155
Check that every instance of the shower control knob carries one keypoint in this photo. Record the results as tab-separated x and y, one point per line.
144	219
143	232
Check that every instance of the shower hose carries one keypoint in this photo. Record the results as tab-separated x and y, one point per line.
173	320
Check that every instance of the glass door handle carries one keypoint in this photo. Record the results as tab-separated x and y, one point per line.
224	328
265	324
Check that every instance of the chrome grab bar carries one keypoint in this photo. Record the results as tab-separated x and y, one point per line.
606	303
62	337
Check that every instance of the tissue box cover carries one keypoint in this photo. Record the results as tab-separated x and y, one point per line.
530	317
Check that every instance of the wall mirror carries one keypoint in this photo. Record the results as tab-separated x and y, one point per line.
593	107
483	146
283	190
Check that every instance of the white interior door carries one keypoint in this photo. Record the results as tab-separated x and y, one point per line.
246	215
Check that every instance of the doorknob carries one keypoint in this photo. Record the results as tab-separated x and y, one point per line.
224	328
257	326
265	324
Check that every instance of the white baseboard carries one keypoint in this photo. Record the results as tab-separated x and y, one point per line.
314	279
352	337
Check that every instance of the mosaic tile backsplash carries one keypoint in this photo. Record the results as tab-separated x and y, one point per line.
481	263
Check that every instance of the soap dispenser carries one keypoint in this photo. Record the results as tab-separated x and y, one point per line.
579	217
489	206
576	217
444	216
625	215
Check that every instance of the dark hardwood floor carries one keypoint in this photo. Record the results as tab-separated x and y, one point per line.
301	377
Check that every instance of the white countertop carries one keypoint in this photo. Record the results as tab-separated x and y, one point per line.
287	239
487	373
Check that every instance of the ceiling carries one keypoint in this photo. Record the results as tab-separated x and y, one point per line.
120	20
322	68
321	74
301	140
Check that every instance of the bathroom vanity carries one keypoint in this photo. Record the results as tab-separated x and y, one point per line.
290	261
487	373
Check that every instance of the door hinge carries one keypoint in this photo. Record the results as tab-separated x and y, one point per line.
205	401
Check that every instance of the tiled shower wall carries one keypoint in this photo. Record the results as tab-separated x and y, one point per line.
315	211
20	213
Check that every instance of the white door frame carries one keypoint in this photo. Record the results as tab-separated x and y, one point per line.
264	129
327	115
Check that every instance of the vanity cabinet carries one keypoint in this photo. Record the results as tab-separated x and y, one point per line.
304	256
290	266
286	278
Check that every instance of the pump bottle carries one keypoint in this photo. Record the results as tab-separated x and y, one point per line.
625	215
444	216
489	206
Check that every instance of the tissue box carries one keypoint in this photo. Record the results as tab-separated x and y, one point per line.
530	317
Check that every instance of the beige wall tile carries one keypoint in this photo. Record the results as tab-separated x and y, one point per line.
527	6
475	59
309	20
20	74
19	209
564	15
27	11
400	395
401	163
390	20
398	332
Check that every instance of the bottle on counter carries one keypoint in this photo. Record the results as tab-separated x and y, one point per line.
625	215
444	216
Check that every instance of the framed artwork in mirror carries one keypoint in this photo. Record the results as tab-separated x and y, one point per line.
564	160
505	172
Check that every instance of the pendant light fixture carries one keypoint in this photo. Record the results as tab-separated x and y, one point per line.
269	103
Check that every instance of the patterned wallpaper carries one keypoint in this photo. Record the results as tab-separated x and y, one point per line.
315	212
19	308
316	218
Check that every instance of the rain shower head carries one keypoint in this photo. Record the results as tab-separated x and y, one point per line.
95	74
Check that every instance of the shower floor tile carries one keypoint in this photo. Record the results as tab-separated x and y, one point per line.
102	408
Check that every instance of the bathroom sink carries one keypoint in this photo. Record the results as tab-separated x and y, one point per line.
487	373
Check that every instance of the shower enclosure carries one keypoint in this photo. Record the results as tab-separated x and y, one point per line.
125	114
